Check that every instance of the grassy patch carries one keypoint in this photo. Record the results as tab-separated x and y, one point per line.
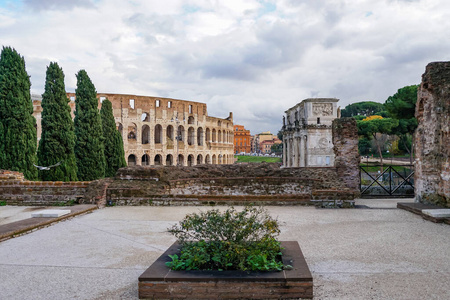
257	159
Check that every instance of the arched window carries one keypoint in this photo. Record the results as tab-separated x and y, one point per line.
208	135
145	134
158	134
219	136
199	159
214	135
145	161
131	160
180	161
190	160
169	160
214	159
158	160
180	133
132	131
200	137
191	136
191	120
169	132
207	159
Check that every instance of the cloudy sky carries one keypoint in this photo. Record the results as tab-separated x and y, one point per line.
255	58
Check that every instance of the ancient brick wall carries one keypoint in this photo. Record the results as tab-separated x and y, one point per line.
14	190
345	141
432	137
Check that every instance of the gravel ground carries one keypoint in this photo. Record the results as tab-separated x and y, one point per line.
378	253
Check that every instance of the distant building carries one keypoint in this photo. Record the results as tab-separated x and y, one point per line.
163	131
307	134
242	139
266	145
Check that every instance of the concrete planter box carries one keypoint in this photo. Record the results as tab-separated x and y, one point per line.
159	282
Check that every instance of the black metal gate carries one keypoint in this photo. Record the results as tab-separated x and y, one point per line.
386	181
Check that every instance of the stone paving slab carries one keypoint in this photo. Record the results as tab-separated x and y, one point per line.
437	213
50	213
13	229
419	208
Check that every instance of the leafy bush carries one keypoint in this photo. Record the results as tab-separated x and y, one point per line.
230	240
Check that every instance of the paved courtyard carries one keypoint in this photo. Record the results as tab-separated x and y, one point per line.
375	253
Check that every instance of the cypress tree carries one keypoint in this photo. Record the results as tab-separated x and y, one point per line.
18	137
89	147
58	136
114	152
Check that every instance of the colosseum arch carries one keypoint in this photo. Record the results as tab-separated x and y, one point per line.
208	135
158	134
131	160
207	159
191	120
180	160
190	161
132	131
214	159
199	159
180	133
191	136
219	159
200	137
219	123
119	127
158	160
145	161
145	134
169	160
169	133
219	136
214	135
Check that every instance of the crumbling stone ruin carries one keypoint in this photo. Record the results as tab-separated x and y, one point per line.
432	147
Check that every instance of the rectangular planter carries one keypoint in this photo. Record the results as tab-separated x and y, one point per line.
159	282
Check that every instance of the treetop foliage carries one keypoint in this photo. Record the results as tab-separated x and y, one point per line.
402	104
18	137
364	108
374	117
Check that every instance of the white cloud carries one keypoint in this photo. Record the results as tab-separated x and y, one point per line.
254	58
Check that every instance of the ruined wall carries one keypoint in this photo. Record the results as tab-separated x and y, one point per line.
14	190
432	137
345	141
264	183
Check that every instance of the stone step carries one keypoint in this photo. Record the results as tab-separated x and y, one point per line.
50	213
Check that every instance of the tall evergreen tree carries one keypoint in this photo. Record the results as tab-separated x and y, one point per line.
89	147
114	152
58	136
18	137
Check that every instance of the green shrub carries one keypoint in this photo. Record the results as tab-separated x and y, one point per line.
228	240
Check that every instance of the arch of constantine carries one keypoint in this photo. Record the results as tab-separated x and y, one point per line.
307	133
163	131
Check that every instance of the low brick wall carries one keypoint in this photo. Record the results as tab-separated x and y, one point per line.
14	190
262	184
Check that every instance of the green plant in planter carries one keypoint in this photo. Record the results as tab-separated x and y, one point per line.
230	240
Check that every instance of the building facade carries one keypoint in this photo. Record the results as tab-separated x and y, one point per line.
307	133
266	145
163	131
242	140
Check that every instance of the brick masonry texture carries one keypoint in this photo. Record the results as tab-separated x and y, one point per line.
432	137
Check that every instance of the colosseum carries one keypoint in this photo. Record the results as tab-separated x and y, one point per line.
157	130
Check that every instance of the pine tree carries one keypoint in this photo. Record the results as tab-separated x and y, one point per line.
18	137
89	147
58	136
114	152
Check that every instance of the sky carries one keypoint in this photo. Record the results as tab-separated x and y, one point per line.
255	58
